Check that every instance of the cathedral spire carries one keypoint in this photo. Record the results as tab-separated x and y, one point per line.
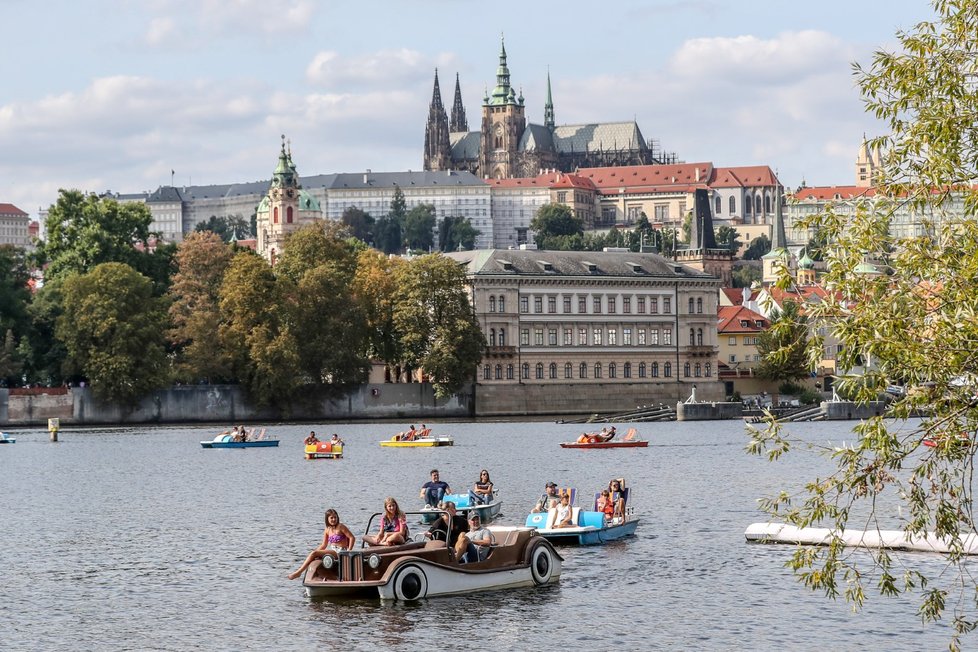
458	123
503	92
437	147
778	239
548	109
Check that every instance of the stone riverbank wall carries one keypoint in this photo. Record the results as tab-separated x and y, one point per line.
227	404
709	411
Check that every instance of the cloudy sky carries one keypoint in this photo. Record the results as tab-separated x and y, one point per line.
114	94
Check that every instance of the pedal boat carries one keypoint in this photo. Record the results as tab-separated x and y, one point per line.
486	512
423	569
225	441
324	450
423	442
597	440
4	439
592	528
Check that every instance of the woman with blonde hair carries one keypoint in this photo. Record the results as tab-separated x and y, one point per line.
393	526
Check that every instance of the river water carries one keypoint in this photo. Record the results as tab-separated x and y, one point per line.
138	539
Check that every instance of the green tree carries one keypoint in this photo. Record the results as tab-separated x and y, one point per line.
419	227
315	276
375	287
11	363
227	227
83	231
783	347
398	209
14	293
727	236
913	324
387	235
456	233
255	332
195	316
554	220
746	275
360	223
112	328
43	353
757	248
439	333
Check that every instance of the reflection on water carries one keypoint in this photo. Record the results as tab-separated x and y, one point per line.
137	538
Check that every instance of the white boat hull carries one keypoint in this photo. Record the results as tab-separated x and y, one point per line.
890	539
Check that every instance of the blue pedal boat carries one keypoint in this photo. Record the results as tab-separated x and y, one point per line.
4	439
226	441
593	528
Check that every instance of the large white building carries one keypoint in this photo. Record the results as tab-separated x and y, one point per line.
14	226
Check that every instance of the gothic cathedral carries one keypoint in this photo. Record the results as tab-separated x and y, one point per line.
507	146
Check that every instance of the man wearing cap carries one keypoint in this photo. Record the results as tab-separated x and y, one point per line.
439	530
548	500
477	540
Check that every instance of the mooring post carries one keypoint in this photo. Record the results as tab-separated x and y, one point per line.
54	425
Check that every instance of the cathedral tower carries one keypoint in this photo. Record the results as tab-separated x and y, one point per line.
548	109
867	164
503	123
459	123
437	148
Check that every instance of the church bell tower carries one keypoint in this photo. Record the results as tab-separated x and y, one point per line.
503	123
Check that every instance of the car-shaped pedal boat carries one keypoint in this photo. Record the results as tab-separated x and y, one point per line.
424	569
324	450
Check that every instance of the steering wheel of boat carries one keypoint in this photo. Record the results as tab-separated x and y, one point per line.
419	537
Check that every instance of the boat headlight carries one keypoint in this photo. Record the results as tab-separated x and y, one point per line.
373	561
328	561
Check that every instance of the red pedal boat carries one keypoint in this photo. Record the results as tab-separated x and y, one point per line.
606	440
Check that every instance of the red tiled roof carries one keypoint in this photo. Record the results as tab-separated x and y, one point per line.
548	180
10	209
736	295
729	318
832	192
753	175
677	174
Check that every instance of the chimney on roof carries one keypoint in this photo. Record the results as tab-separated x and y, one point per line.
697	169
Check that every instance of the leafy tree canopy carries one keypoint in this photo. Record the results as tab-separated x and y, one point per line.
757	248
360	223
904	311
419	227
112	328
554	220
227	227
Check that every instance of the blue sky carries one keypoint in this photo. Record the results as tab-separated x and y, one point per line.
114	94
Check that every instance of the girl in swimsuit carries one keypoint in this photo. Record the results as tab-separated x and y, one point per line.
393	526
336	537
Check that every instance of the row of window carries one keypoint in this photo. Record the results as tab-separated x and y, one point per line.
697	370
732	340
642	337
732	205
641	304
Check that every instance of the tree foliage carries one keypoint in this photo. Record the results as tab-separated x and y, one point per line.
360	223
784	346
112	328
195	316
419	227
455	233
758	247
438	331
227	227
375	287
553	221
727	236
914	324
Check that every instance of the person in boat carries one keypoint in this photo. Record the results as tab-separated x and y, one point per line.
481	491
604	504
618	496
336	537
478	540
335	440
434	490
607	435
393	526
312	438
548	500
440	529
564	513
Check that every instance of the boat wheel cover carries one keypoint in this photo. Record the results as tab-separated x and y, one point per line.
541	564
410	583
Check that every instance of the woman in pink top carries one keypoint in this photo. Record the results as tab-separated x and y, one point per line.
336	537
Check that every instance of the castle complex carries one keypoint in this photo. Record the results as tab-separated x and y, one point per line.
507	146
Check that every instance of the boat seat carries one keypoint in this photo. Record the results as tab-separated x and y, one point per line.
568	491
551	517
410	545
434	544
575	515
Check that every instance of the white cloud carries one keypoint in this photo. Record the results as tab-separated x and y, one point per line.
160	31
382	68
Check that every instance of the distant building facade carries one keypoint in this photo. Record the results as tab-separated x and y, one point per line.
506	145
14	226
559	320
